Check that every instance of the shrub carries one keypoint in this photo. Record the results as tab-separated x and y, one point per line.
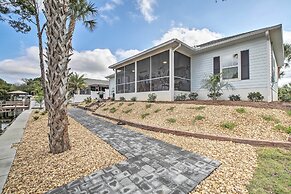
144	115
199	117
35	117
283	128
289	112
255	96
171	108
234	97
133	99
130	104
36	112
88	100
152	97
122	98
113	110
270	118
240	110
285	93
171	120
157	110
228	125
181	97
120	104
193	96
112	99
148	106
214	85
127	111
105	109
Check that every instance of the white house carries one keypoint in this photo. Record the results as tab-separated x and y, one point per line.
249	61
111	79
95	89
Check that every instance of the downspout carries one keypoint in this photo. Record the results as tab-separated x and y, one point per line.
172	79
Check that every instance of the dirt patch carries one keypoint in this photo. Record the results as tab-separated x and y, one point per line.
247	122
34	170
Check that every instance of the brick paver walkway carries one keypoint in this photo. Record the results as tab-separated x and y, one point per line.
153	166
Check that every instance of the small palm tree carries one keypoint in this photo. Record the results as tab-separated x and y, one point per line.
214	85
76	82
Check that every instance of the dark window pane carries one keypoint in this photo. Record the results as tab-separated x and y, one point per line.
160	65
120	88
245	65
143	86
129	88
216	65
160	84
230	73
182	64
182	84
120	75
143	69
129	73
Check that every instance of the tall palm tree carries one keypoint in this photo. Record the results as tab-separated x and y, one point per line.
76	82
56	12
84	11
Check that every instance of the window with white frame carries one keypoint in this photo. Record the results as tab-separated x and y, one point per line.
230	64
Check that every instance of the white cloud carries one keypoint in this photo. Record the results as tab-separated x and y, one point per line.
123	54
26	66
190	36
286	78
287	36
110	5
146	9
92	63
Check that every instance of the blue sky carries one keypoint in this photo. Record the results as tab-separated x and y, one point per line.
126	27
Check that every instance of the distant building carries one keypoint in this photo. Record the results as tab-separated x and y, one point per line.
95	88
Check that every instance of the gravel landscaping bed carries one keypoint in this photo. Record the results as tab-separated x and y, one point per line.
234	121
35	170
238	161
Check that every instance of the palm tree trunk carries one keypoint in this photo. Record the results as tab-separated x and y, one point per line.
72	25
56	12
40	53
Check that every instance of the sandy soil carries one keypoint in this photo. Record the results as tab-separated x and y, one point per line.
36	171
247	125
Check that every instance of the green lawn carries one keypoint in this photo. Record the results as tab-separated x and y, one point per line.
273	174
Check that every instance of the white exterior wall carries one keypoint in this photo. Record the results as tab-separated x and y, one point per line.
143	96
259	56
111	87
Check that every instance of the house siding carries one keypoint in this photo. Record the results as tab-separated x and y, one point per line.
202	66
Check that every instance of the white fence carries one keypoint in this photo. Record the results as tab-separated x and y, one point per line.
94	95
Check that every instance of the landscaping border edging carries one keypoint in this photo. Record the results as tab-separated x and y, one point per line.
253	142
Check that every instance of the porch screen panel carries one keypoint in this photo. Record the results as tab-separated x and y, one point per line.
129	78
120	80
182	72
143	75
160	65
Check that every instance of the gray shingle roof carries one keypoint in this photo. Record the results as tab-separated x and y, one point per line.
96	82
